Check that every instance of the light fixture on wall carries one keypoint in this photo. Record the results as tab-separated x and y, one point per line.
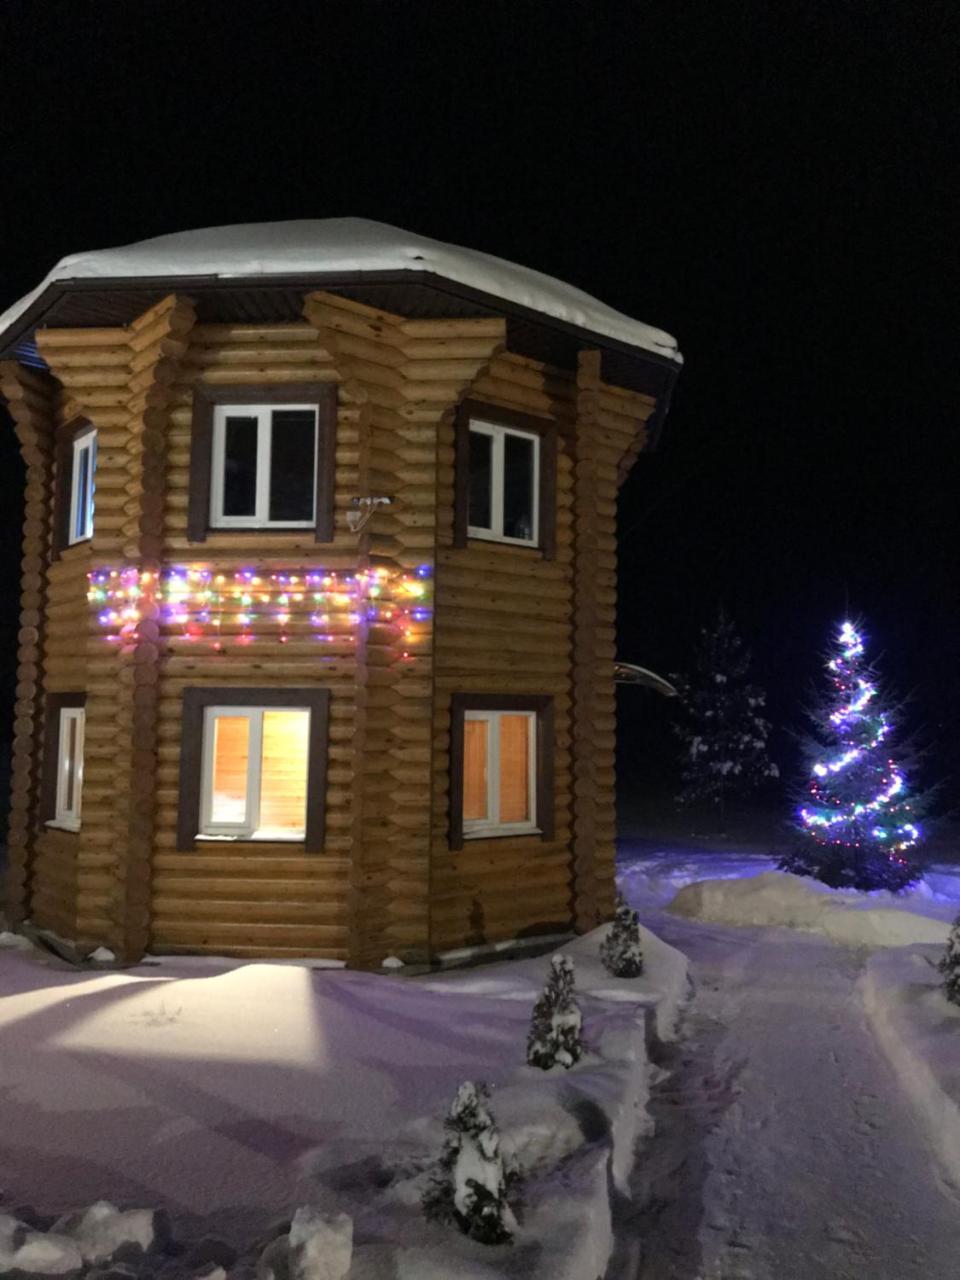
361	509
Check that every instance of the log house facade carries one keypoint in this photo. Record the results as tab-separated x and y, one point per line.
436	698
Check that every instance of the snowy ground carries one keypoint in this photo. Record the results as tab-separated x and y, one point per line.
787	1146
228	1094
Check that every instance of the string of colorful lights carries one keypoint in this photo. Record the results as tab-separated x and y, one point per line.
247	604
834	811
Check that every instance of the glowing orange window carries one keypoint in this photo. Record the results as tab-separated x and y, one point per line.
499	772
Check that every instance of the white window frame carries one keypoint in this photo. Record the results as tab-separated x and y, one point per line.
479	828
261	516
64	816
82	503
249	829
498	433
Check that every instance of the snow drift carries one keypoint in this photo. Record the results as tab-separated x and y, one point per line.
774	898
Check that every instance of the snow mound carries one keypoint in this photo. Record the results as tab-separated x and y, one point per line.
14	941
776	898
919	1030
344	245
76	1241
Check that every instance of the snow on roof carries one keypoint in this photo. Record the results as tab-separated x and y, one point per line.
340	245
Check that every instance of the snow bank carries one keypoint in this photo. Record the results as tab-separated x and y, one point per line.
345	245
919	1030
77	1240
774	898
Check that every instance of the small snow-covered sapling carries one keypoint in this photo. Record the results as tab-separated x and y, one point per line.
471	1181
620	951
949	964
556	1023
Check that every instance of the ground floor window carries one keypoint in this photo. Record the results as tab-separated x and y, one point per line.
63	760
253	765
501	766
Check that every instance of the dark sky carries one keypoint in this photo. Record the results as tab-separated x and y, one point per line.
773	183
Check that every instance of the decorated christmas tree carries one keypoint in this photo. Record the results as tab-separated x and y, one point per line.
950	964
621	952
721	724
856	822
556	1022
471	1182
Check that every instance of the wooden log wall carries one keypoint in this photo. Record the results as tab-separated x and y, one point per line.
254	898
31	399
409	376
504	618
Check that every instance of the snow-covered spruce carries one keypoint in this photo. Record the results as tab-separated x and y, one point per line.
620	952
556	1023
949	964
721	726
471	1182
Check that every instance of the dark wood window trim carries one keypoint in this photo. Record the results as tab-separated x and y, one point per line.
546	429
65	438
54	703
205	400
196	699
542	704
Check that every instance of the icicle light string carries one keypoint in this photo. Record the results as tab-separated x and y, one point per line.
202	601
851	719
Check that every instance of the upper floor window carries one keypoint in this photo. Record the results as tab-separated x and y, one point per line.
264	466
263	458
253	765
82	484
505	478
76	471
504	483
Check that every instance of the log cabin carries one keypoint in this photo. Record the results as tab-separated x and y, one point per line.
316	654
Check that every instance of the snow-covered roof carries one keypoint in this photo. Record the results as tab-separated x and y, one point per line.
311	246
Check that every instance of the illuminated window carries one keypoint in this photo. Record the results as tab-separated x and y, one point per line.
499	772
69	768
264	466
504	488
255	772
82	477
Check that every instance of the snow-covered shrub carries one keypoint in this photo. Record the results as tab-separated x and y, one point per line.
949	964
471	1182
620	951
556	1023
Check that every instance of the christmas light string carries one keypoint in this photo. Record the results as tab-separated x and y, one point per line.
202	601
849	719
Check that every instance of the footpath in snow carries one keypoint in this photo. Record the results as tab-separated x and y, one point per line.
788	1146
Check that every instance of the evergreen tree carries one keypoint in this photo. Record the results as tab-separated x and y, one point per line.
556	1022
949	964
722	728
471	1182
856	821
620	952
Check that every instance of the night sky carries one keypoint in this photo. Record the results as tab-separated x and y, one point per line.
773	183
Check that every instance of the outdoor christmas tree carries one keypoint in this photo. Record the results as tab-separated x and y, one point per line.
722	728
556	1022
856	823
620	952
949	964
471	1182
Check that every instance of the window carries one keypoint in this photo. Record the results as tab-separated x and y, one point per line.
255	772
506	464
501	766
263	458
63	760
76	462
82	487
253	765
264	466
